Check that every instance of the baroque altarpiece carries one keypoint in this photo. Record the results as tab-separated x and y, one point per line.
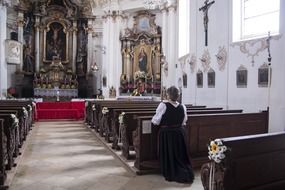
55	33
141	54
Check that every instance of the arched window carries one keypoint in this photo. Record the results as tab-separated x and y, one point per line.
255	18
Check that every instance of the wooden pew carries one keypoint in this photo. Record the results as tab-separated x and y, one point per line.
16	123
252	162
3	174
130	125
199	130
104	120
23	116
10	125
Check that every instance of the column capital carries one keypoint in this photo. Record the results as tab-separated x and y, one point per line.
20	22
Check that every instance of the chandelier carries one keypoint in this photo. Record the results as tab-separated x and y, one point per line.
152	4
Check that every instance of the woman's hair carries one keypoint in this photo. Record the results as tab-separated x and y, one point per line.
173	93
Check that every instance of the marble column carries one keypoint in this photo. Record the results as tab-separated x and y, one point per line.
3	64
20	22
37	43
90	47
106	55
171	57
164	43
74	45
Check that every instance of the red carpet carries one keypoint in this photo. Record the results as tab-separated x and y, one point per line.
60	110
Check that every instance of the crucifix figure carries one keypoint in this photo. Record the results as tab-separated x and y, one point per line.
205	9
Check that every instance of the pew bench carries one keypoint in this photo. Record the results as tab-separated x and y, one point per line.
130	124
253	162
199	130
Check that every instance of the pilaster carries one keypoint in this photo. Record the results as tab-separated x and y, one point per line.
3	64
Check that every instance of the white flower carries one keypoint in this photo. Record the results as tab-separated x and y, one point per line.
121	118
105	110
216	150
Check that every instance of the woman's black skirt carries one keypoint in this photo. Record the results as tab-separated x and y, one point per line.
173	156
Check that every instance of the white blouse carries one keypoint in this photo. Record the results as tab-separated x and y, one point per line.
160	110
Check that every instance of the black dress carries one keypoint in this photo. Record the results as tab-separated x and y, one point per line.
173	156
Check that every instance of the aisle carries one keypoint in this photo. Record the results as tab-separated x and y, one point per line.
66	156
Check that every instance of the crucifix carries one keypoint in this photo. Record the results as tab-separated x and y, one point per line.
205	9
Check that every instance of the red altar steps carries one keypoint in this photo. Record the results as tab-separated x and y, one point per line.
60	110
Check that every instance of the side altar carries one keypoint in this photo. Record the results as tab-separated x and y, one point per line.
55	81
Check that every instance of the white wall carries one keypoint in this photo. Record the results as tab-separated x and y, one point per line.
226	93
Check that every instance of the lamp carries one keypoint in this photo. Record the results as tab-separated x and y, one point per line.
152	4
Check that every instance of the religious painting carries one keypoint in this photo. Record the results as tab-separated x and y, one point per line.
199	79
13	51
143	59
184	80
56	42
104	81
211	78
241	77
263	76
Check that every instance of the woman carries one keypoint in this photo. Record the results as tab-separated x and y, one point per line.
173	156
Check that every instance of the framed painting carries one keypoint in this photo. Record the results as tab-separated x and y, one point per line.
241	77
56	42
263	76
199	79
211	78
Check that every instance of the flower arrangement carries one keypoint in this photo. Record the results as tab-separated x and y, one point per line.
105	110
121	118
216	150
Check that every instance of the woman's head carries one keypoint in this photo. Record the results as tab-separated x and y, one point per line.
172	93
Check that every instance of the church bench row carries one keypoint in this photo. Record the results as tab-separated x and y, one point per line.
24	116
97	105
110	128
252	162
129	125
16	123
199	130
102	122
94	107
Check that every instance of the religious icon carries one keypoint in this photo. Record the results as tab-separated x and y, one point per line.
143	60
211	78
241	79
199	78
263	76
56	41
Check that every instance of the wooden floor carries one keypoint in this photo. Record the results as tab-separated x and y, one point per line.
66	155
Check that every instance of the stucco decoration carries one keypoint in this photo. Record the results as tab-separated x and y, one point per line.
222	56
13	51
206	60
193	62
7	3
252	48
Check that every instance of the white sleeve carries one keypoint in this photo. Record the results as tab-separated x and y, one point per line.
185	115
160	110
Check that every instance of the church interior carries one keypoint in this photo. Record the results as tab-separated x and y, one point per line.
83	78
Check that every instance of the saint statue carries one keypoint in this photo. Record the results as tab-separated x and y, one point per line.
28	65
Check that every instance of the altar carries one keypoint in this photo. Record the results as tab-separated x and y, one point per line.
43	92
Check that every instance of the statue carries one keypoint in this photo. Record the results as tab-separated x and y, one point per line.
28	65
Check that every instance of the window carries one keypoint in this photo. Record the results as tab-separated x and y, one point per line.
255	18
184	27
